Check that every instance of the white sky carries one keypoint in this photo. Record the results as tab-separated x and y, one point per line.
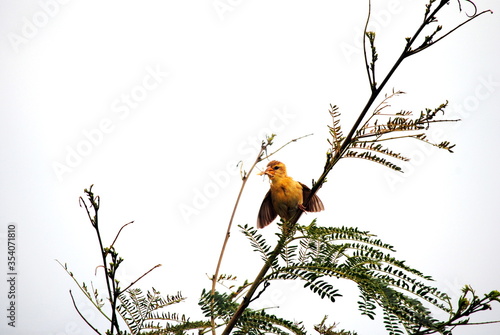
161	99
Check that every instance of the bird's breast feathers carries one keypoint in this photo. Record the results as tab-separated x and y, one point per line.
287	192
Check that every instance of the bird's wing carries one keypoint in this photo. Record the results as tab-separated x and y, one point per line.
315	204
266	212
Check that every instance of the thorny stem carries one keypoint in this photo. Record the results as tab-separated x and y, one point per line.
375	91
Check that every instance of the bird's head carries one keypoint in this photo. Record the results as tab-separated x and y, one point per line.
274	169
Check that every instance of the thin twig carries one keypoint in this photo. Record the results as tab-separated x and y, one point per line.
126	224
97	267
83	291
81	315
135	281
110	282
421	48
258	280
479	323
370	79
228	232
284	145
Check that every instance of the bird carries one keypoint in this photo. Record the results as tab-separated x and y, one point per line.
285	196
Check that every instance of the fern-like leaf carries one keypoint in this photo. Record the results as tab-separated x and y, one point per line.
258	242
373	158
143	311
377	147
335	130
259	322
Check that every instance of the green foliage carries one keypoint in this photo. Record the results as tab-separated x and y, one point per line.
321	255
335	130
383	126
259	322
329	253
222	306
258	243
143	312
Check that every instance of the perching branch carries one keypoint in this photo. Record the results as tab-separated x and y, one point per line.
258	280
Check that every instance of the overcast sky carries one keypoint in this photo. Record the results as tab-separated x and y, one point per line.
155	103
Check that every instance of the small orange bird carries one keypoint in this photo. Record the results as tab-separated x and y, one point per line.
285	196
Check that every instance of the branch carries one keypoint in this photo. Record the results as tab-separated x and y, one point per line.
81	315
108	274
95	303
371	76
228	232
407	52
126	224
284	145
258	280
266	285
426	45
135	281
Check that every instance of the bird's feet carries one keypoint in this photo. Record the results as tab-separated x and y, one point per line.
301	207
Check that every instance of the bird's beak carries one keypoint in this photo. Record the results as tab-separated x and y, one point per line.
269	172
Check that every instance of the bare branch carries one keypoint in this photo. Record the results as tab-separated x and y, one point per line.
135	281
126	224
81	315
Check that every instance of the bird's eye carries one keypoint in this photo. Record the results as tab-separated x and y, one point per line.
276	168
